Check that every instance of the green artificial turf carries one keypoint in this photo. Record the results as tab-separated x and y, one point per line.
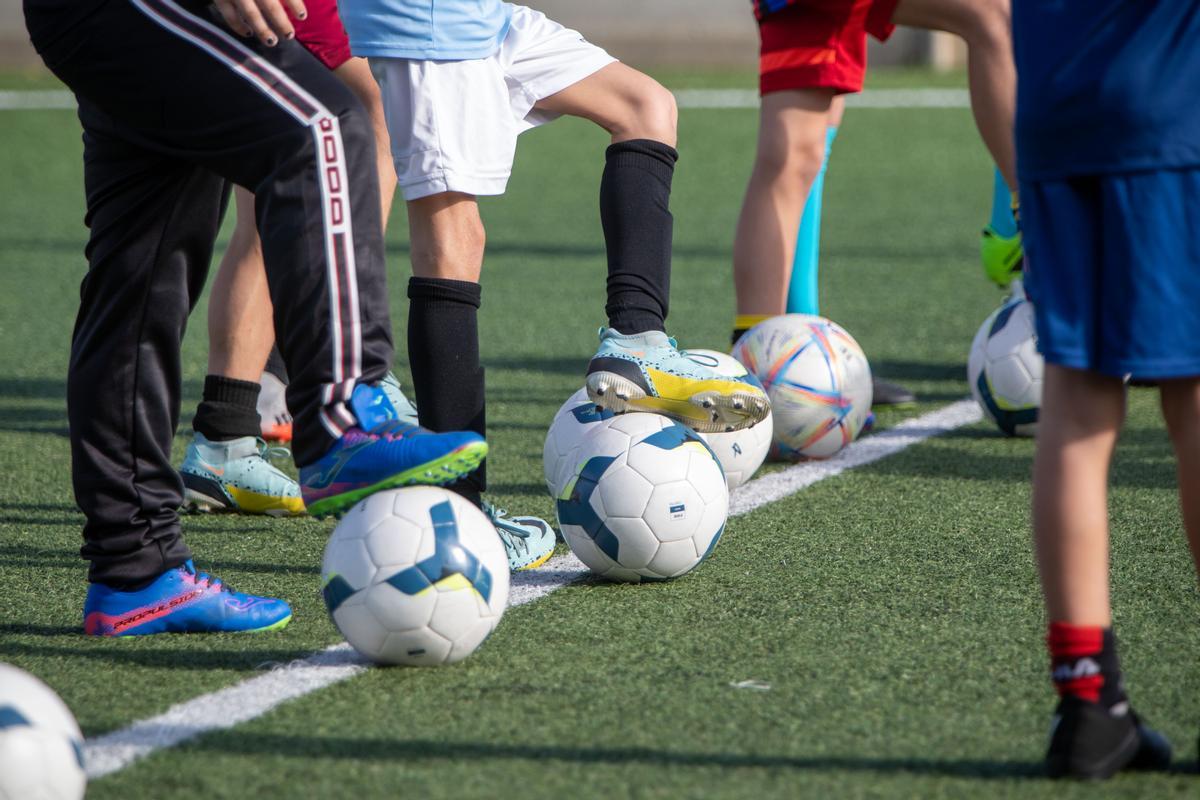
893	611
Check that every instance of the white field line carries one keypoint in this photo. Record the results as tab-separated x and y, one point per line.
872	98
256	696
25	100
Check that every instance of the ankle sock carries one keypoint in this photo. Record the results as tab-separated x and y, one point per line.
744	322
1084	664
228	409
635	194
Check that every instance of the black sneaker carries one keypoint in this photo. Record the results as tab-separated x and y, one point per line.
1091	742
886	393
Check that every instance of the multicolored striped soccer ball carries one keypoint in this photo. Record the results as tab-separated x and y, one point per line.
415	576
818	380
1005	369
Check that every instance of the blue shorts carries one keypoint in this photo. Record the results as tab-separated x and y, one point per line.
1113	270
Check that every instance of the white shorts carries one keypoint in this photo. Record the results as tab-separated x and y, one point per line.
454	124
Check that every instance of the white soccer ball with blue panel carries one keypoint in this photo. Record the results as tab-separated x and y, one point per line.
647	502
564	441
1005	368
740	452
818	379
415	576
41	747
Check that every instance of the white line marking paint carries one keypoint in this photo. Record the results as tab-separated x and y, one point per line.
872	98
704	99
256	696
26	100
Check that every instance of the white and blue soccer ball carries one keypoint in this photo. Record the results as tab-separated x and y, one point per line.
740	452
818	380
564	441
41	747
415	576
1005	369
648	500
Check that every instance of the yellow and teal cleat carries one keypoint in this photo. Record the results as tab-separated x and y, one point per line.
647	372
235	476
1003	256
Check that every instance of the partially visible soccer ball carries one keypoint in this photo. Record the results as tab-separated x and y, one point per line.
818	380
41	747
742	452
648	502
564	441
415	576
1005	369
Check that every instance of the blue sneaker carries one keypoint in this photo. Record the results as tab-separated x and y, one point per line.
181	600
647	372
529	541
236	476
385	453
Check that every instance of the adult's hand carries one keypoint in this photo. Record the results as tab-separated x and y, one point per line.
265	19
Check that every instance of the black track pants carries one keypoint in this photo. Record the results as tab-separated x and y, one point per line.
174	107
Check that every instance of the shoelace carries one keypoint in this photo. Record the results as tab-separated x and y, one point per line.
272	452
206	581
506	529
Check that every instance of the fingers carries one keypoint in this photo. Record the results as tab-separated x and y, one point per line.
297	8
264	19
232	18
277	21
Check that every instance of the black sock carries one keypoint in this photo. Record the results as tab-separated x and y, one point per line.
635	192
737	334
229	409
443	353
275	365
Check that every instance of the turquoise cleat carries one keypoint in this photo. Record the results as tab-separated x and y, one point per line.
405	410
529	541
180	600
647	372
236	476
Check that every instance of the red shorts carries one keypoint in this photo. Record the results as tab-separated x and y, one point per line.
322	34
821	44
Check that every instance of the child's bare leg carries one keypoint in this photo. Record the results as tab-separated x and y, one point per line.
1181	408
635	189
791	148
626	103
986	28
1080	418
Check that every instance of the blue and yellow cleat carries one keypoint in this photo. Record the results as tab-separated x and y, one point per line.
529	541
180	600
1003	256
392	453
647	372
236	476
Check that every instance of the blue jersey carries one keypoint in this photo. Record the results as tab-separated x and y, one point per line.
426	30
1106	86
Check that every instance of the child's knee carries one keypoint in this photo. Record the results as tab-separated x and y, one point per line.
987	23
792	160
651	113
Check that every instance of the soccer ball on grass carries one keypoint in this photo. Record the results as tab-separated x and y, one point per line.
415	576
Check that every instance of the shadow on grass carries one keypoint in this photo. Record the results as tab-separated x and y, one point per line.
473	752
33	629
138	651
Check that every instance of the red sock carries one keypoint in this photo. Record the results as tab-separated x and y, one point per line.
1083	663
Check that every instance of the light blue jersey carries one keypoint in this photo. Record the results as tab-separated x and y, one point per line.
426	30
